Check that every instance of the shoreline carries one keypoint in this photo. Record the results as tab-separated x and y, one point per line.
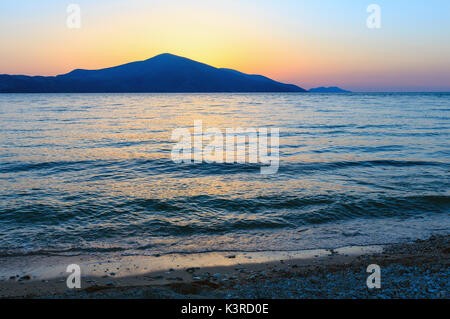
409	270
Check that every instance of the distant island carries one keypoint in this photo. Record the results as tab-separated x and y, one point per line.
164	73
331	89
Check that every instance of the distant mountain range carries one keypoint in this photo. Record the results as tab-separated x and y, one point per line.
331	89
163	73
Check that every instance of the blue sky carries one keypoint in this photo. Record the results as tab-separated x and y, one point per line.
309	43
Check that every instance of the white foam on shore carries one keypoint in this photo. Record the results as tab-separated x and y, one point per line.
50	267
353	237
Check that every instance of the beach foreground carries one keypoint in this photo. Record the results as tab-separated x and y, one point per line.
408	270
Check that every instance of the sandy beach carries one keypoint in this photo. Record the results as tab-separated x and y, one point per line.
408	270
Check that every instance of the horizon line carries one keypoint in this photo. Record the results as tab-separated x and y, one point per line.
405	90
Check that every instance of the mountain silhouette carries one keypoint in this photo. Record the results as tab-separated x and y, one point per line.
163	73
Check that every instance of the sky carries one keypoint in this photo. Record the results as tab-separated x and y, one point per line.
305	42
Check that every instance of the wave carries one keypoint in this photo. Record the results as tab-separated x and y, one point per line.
94	219
165	165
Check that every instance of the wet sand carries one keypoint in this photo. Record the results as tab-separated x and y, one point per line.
413	270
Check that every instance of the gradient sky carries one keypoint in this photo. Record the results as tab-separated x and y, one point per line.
306	42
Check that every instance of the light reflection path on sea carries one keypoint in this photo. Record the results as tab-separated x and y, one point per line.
92	173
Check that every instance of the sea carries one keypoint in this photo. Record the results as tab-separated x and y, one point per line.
94	173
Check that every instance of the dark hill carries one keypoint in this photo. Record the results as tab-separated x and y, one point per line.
163	73
331	89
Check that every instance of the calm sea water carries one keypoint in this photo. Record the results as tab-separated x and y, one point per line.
84	173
